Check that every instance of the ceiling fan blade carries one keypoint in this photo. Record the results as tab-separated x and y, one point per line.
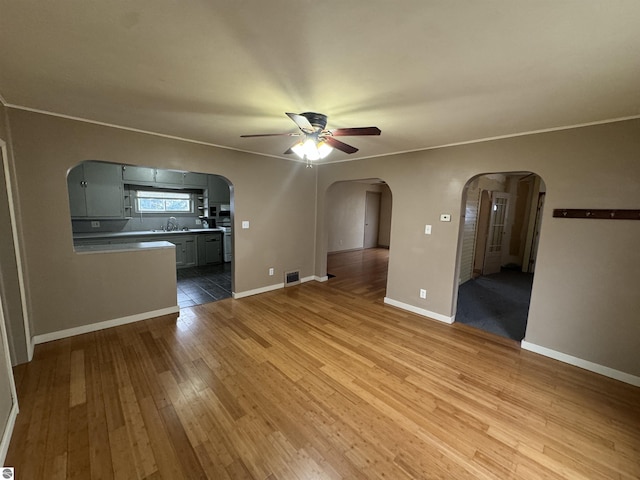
302	122
289	151
345	132
273	135
337	144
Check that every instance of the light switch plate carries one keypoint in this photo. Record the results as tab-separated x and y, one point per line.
427	229
245	224
445	217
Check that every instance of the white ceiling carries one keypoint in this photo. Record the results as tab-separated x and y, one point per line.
427	73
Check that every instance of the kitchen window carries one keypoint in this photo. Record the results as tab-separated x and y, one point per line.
163	202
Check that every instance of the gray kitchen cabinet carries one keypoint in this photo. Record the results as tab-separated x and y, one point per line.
191	179
95	191
210	248
192	249
169	177
218	190
185	250
132	173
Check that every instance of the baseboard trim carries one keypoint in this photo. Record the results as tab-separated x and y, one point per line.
419	311
93	327
579	362
257	291
31	345
320	279
8	433
268	288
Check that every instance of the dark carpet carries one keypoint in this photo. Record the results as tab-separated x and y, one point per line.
497	303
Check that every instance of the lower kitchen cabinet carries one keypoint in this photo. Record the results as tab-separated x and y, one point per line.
210	249
191	250
185	250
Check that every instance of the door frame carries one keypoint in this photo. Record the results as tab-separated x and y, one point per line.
4	158
367	213
13	413
539	184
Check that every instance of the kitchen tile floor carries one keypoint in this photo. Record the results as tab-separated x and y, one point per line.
198	285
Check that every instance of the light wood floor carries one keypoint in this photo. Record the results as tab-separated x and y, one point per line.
320	380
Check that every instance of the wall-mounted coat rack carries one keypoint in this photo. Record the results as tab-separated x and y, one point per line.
602	214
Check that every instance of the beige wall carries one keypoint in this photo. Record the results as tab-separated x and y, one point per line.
68	290
346	211
386	208
584	301
346	205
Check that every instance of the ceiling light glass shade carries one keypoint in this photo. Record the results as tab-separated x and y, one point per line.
311	150
324	149
298	149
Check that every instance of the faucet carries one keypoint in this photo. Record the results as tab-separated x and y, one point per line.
172	224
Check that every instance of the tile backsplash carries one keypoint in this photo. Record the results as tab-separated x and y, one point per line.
136	224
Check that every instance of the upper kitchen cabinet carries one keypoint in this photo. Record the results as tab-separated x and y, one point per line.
162	178
195	180
95	190
218	190
134	174
169	177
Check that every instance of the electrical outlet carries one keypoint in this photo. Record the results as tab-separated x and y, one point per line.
95	224
198	221
423	293
445	217
427	229
245	224
271	271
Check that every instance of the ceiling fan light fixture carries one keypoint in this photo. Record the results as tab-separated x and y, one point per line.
318	143
298	149
310	149
324	149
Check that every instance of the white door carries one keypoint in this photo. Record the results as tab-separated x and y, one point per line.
497	233
371	219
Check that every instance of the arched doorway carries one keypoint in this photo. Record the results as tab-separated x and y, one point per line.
498	246
115	203
358	221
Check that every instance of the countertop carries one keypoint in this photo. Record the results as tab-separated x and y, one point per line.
145	233
122	247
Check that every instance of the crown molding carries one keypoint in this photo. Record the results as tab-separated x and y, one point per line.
138	130
499	137
402	152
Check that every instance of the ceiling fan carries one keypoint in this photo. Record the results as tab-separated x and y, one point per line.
317	142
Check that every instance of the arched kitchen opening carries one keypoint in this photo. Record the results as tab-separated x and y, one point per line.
500	229
112	204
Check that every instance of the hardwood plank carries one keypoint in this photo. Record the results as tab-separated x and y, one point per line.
320	380
186	455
